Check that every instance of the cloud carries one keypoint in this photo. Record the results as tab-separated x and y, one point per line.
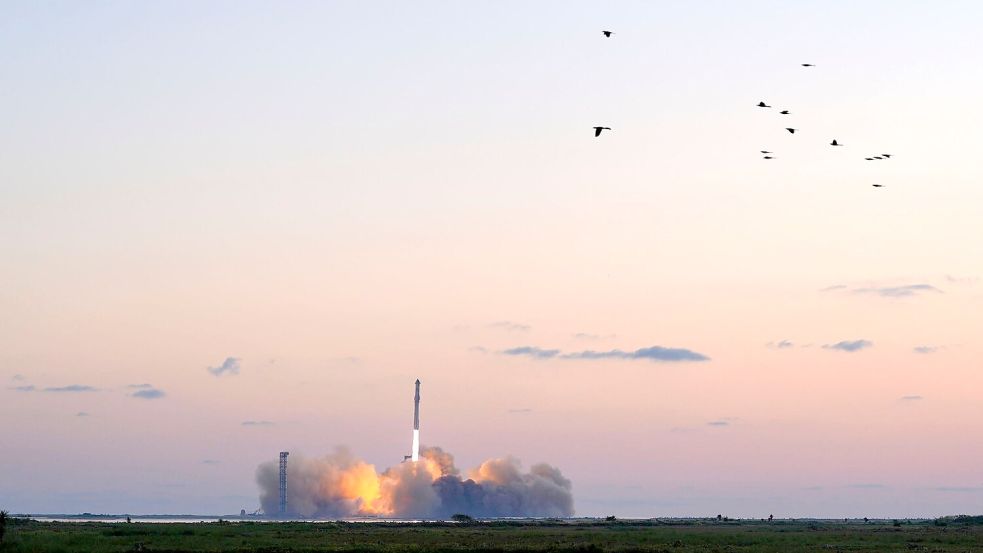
867	486
478	349
903	291
71	388
230	365
139	386
911	398
17	377
28	388
525	410
531	351
81	414
148	393
209	462
589	336
653	353
718	423
258	423
510	326
850	346
784	344
925	349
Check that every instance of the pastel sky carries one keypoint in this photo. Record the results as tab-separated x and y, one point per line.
233	228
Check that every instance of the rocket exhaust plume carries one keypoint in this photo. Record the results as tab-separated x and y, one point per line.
415	456
341	485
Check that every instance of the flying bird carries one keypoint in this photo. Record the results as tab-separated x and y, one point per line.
768	157
878	157
597	130
791	130
886	155
766	152
608	33
835	143
784	112
763	105
878	185
808	65
869	158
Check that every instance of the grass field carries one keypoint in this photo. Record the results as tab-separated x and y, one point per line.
556	537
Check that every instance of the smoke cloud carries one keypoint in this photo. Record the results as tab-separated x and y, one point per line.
341	485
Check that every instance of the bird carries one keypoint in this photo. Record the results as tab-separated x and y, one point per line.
808	65
835	143
608	33
886	155
791	130
763	105
597	130
766	152
878	185
878	157
768	157
784	112
869	158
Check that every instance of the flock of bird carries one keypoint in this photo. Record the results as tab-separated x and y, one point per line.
766	153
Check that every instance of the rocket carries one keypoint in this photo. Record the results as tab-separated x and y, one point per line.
416	424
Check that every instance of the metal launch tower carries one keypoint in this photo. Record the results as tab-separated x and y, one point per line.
283	483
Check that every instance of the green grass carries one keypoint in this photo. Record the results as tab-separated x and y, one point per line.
494	537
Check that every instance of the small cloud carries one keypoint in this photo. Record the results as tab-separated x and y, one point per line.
925	350
904	291
72	388
230	365
478	349
718	423
510	326
209	462
148	393
653	353
866	486
912	398
257	423
17	377
588	336
28	388
531	351
525	410
960	489
850	346
139	386
784	344
81	414
834	287
961	280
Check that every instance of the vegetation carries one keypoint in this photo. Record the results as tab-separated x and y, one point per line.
3	525
623	536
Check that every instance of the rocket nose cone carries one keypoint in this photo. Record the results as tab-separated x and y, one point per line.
417	380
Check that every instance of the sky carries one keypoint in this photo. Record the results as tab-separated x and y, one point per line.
229	229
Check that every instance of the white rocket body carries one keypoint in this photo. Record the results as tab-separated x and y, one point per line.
416	424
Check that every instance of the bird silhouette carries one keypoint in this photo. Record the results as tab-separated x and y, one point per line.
768	157
784	112
766	152
808	65
763	105
878	185
597	130
886	155
608	33
869	158
791	130
835	143
878	157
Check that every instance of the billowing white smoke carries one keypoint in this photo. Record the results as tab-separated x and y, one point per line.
340	485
